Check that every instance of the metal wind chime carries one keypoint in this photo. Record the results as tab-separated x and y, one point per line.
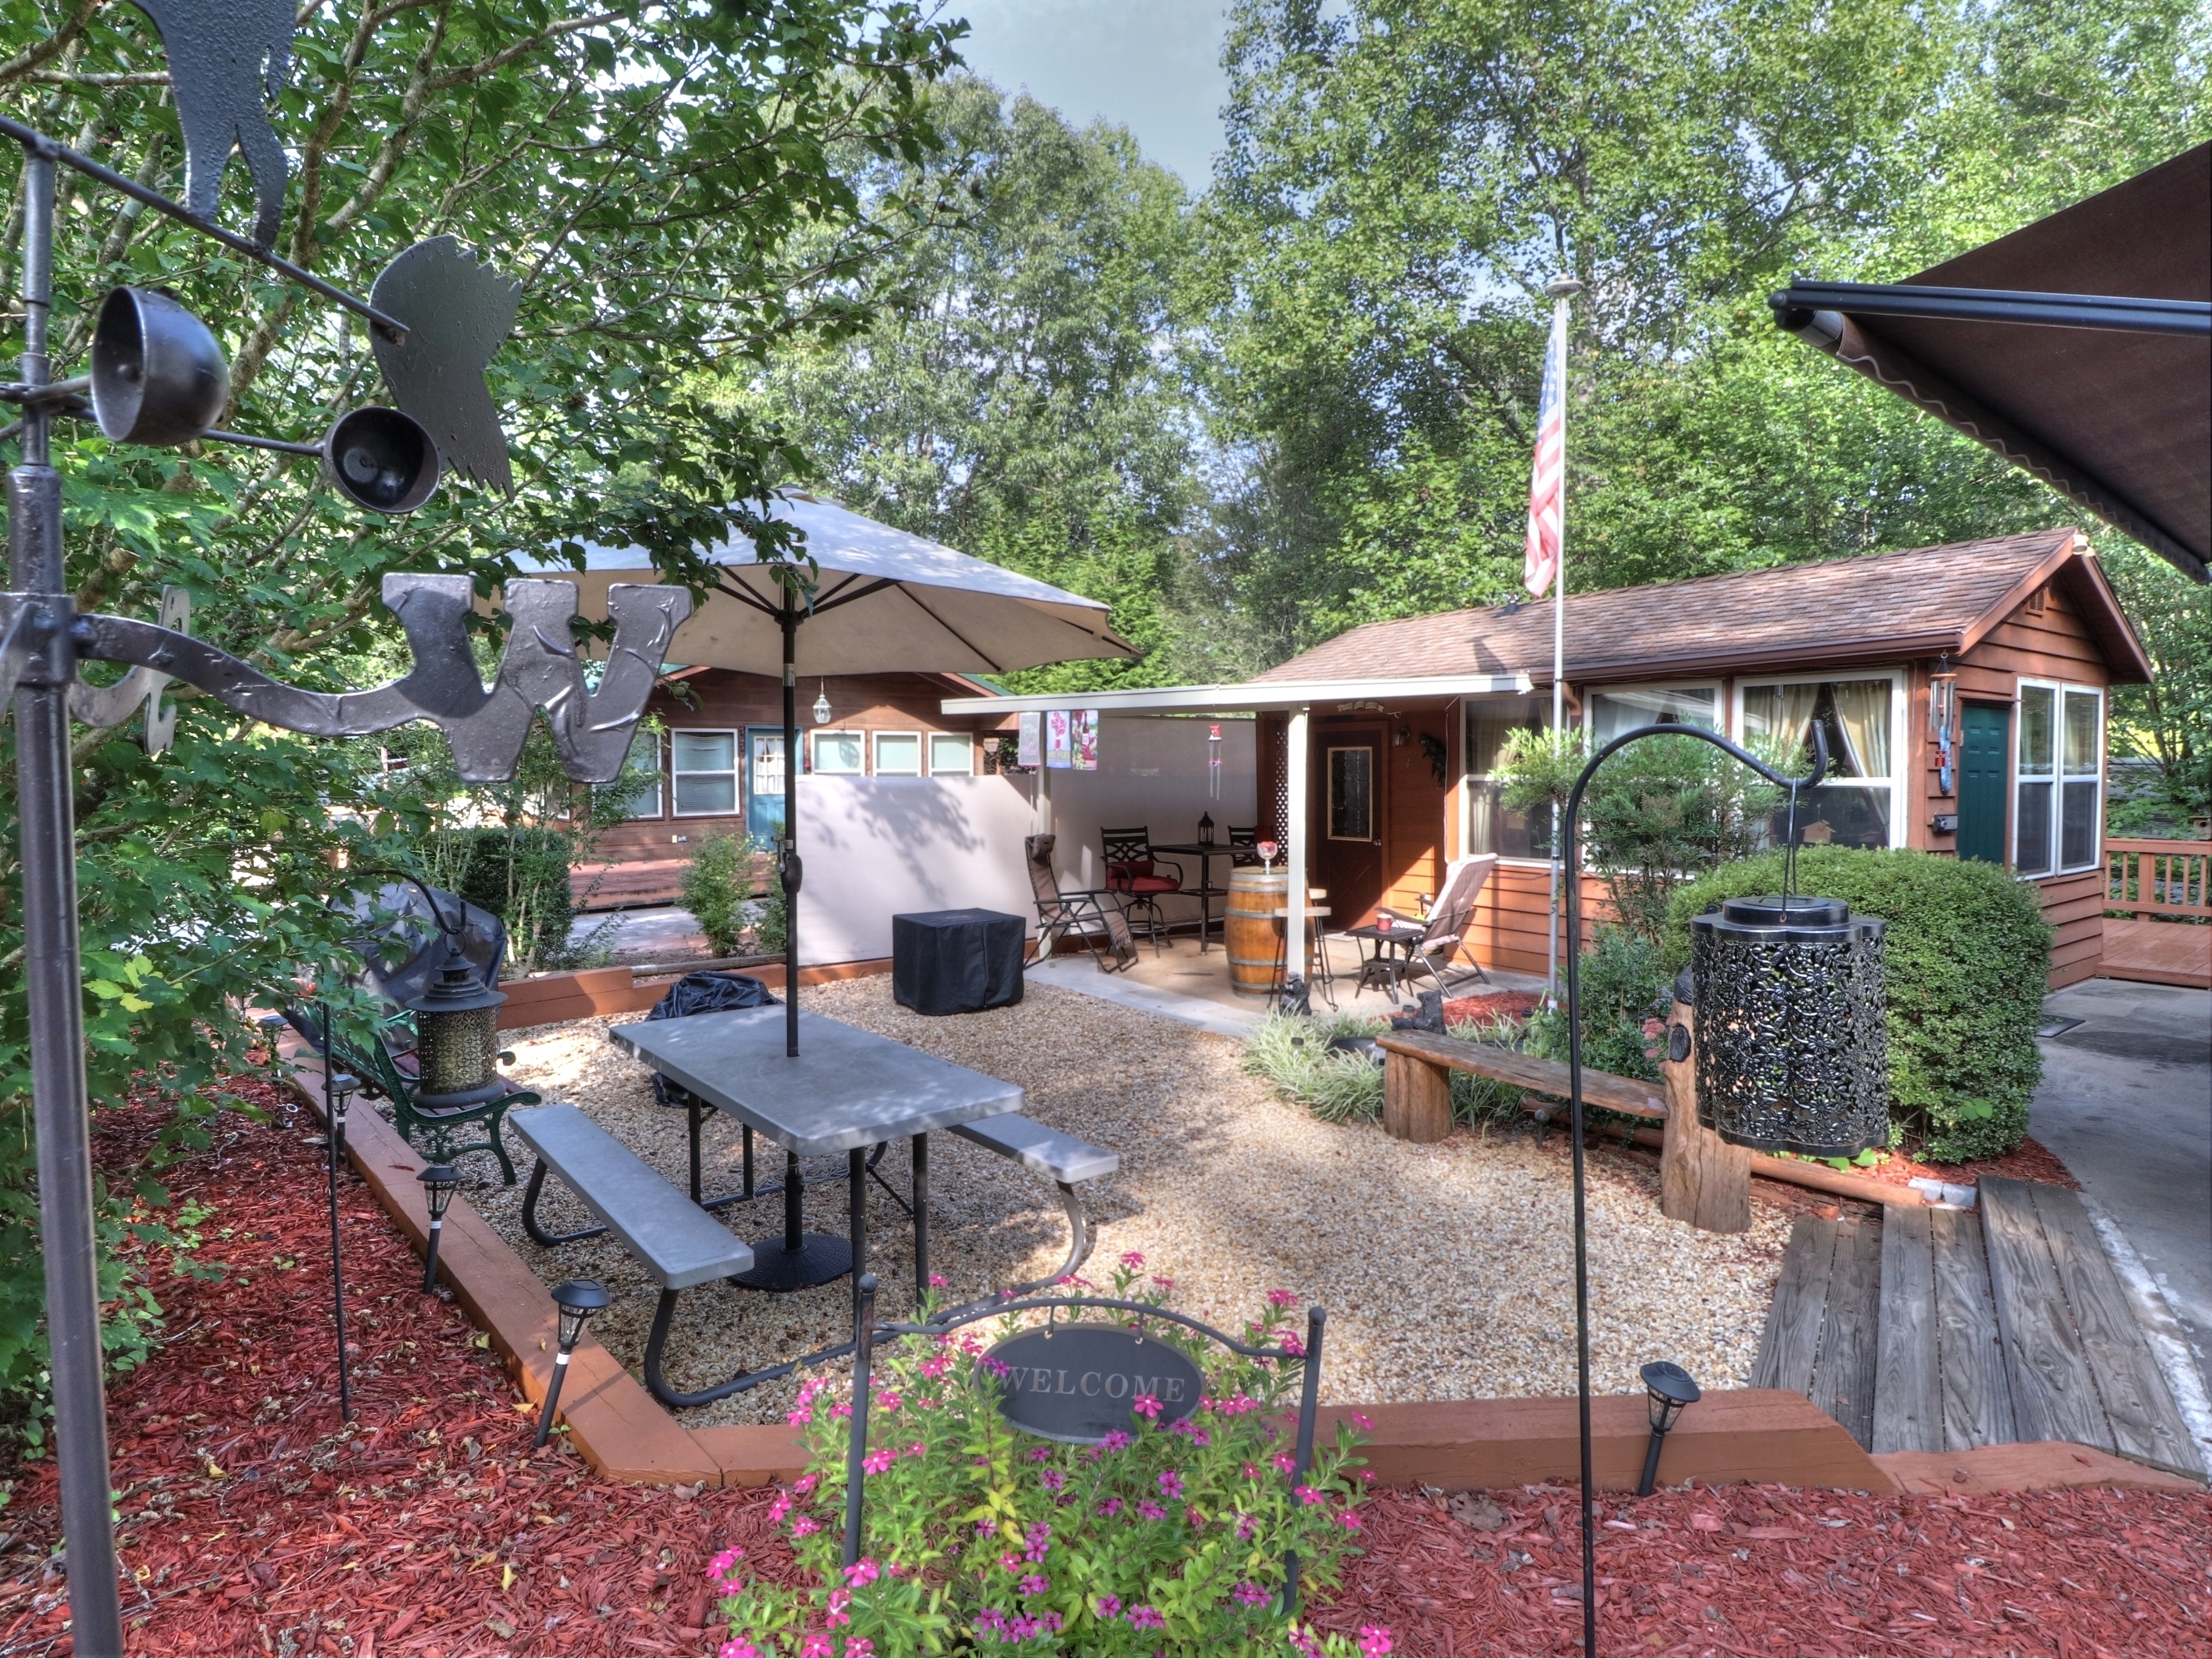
157	377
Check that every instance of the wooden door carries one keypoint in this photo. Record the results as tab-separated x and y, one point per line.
1348	819
1985	760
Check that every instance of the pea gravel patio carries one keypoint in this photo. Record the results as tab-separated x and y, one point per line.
1447	1269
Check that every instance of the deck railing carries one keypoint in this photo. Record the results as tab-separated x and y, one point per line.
2159	879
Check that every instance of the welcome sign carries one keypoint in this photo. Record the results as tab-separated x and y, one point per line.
1081	1383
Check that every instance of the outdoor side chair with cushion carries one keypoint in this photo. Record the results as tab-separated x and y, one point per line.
1444	935
1244	847
1093	917
1134	871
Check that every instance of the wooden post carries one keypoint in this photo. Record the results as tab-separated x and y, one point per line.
1416	1098
1702	1179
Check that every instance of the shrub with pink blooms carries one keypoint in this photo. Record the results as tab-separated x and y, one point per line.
977	1537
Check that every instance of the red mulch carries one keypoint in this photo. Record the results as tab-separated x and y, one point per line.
1492	1005
2029	1161
254	1523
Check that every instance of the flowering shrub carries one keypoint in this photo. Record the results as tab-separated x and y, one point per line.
977	1537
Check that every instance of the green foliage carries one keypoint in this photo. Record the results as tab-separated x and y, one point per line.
1291	1052
2169	721
717	891
1968	952
521	874
1622	982
976	1537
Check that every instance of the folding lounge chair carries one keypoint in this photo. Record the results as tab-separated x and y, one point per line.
1450	918
1092	917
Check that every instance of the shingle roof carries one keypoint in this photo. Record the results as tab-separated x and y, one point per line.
1886	606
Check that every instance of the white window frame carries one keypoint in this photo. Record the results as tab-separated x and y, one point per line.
931	739
1901	757
876	755
819	770
1722	711
2060	691
736	773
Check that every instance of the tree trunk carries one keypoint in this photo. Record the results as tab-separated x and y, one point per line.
1702	1179
1416	1099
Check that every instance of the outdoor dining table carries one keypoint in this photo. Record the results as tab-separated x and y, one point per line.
1205	892
848	1091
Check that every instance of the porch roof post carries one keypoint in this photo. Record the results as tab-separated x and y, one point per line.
1294	834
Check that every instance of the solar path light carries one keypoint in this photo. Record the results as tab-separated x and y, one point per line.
1670	1392
440	1183
578	1299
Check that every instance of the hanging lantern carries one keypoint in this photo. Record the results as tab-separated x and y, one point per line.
455	1025
1792	1046
822	702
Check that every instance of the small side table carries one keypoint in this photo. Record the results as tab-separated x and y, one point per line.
956	962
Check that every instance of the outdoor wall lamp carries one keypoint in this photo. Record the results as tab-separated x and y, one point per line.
821	703
440	1183
455	1022
578	1299
1672	1392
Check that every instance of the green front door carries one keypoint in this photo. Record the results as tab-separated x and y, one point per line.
1983	758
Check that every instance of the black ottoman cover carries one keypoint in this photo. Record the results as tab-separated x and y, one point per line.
955	962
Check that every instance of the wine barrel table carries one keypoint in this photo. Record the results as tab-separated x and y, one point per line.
1252	928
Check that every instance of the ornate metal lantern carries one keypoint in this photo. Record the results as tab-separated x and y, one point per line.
1793	1052
454	1023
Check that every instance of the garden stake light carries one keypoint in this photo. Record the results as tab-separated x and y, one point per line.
43	639
1570	837
337	1089
440	1183
578	1299
1671	1392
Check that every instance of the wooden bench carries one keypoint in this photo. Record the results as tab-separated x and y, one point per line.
1062	1158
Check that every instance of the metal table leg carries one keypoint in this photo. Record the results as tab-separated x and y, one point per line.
798	1259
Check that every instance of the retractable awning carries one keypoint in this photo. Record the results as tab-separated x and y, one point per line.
2079	347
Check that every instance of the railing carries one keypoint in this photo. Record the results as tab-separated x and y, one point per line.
2160	878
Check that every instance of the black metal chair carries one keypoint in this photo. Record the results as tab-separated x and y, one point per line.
1244	847
1094	917
1134	871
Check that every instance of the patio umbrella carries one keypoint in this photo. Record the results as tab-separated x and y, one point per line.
884	602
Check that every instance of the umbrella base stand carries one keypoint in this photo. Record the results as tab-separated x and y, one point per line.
820	1258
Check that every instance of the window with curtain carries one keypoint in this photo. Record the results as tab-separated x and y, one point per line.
1857	806
2059	779
1621	709
704	766
1489	827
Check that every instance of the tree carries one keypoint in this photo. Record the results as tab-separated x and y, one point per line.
646	175
2168	722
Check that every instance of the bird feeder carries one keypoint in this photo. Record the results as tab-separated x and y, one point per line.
455	1021
1792	1049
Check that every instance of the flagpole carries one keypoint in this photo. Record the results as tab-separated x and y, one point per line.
1559	293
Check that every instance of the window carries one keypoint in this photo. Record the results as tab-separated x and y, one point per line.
841	754
641	771
952	754
1351	794
1857	806
1620	709
898	753
704	766
1489	827
2057	779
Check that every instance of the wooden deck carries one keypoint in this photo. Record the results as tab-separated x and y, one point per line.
1945	1330
2159	952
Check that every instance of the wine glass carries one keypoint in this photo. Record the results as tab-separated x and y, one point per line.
1266	850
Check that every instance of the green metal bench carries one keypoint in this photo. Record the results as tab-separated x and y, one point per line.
432	1133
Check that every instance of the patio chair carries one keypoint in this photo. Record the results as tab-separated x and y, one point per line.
1134	871
1449	919
1093	917
1244	847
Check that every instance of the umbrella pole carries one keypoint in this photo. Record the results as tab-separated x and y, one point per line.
787	868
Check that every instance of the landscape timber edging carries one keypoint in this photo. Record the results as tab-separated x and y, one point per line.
556	998
1752	1435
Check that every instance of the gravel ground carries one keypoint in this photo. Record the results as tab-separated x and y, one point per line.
1447	1270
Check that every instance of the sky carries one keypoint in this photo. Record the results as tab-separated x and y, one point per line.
1150	65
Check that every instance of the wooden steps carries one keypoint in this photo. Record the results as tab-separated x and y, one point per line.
1946	1330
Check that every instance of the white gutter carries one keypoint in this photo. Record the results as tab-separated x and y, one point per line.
1320	695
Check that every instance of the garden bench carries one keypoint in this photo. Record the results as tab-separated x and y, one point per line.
1063	1159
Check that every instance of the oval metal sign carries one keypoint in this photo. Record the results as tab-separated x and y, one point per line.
1081	1383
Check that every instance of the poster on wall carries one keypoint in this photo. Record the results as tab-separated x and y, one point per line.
1083	739
1058	754
1030	748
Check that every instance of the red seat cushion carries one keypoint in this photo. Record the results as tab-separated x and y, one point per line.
1151	884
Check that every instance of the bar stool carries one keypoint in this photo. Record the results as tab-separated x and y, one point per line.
1318	971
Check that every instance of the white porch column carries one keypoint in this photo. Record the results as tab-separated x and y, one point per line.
1294	832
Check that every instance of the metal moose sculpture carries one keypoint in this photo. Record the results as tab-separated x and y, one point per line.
158	377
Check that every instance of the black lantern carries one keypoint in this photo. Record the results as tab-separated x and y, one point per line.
578	1299
440	1183
1672	1391
340	1091
455	1024
1205	830
1793	1047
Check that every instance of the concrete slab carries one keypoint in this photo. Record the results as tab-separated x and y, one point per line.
2126	1102
665	933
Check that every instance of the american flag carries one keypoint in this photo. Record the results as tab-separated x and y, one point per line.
1546	509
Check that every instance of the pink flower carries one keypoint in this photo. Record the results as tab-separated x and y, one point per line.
938	1281
1142	1617
1146	1405
1109	1607
862	1573
1362	1421
1350	1519
917	1449
1165	1283
738	1648
1246	1526
1191	1515
1053	1478
800	1418
720	1565
936	1365
839	1601
1115	1441
1132	1259
889	1400
843	1408
1170	1484
984	1529
804	1484
1302	1639
1293	1346
1307	1495
1034	1584
805	1526
816	1646
1374	1640
1250	1595
859	1647
1150	1511
1012	1561
1282	1298
1110	1508
780	1508
877	1462
1285	1462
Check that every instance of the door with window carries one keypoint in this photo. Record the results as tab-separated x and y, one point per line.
1348	811
765	783
1985	745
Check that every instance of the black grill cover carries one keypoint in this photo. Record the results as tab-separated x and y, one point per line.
710	993
956	962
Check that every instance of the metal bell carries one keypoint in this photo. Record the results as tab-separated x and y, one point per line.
158	376
381	459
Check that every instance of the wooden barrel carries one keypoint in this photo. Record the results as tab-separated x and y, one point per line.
1252	929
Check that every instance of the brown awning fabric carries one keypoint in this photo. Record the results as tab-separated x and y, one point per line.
2117	420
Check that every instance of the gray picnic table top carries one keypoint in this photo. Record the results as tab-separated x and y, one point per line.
848	1088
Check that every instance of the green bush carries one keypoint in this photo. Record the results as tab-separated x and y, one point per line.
1968	950
521	874
1623	983
1291	1052
717	889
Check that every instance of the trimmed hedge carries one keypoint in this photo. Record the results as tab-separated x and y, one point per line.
1968	952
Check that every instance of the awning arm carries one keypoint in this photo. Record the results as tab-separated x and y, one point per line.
1994	305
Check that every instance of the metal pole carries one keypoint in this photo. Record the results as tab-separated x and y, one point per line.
1560	291
330	1131
856	1446
52	977
788	866
1308	1410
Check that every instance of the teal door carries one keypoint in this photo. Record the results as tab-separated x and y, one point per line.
765	783
1983	761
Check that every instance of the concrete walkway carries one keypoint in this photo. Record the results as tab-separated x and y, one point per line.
2126	1102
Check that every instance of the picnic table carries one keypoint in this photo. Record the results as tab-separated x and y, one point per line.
846	1091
